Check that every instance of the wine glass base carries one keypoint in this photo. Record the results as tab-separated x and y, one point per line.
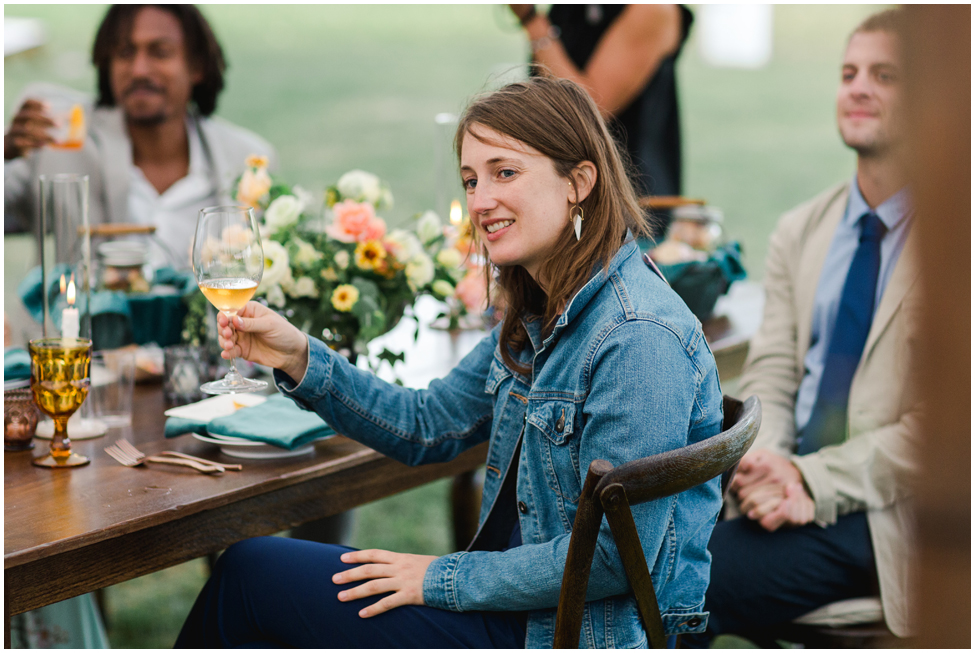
74	460
225	387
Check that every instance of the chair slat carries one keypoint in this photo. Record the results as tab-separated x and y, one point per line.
634	562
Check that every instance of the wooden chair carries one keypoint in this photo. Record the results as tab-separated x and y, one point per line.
852	623
612	491
667	202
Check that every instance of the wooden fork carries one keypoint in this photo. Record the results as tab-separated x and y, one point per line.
124	452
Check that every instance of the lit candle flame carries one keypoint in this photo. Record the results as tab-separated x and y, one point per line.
455	214
71	290
63	284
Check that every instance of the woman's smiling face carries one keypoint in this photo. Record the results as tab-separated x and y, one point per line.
517	201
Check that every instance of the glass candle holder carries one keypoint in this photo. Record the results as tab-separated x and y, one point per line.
19	419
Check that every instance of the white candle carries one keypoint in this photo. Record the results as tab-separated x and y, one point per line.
70	318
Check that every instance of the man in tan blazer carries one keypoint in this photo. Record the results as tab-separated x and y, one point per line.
828	520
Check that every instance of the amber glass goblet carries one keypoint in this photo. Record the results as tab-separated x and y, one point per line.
59	378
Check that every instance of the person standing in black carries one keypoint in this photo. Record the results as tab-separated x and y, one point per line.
625	56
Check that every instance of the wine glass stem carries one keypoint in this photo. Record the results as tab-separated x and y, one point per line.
233	373
60	444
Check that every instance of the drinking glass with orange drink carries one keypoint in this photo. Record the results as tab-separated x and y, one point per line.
60	379
70	125
228	260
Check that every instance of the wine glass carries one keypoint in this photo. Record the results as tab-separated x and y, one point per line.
59	378
228	260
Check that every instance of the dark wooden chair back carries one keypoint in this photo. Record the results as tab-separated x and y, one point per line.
611	491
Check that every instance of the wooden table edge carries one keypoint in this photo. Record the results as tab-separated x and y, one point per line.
43	577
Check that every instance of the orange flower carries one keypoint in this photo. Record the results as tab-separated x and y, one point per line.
472	291
355	222
254	184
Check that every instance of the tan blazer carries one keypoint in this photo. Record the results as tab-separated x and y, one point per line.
873	469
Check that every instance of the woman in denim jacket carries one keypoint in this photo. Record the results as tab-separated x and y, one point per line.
596	358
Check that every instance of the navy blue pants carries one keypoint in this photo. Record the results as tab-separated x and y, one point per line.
760	579
278	592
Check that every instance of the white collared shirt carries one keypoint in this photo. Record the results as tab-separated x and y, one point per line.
174	212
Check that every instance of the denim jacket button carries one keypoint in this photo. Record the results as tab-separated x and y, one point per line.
560	425
522	507
694	622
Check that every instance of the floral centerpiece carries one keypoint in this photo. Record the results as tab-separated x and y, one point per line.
338	273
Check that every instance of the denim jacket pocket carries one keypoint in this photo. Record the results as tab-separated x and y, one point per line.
555	419
560	450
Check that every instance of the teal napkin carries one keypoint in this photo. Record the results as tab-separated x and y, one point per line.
16	364
278	421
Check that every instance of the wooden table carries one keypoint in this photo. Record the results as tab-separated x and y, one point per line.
67	532
71	531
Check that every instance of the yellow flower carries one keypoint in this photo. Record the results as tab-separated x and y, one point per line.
370	255
254	184
344	297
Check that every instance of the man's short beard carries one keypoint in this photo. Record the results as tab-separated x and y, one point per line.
147	121
869	150
875	147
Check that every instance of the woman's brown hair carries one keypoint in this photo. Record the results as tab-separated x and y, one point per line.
202	51
557	118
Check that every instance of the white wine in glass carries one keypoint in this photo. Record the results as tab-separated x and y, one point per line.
228	260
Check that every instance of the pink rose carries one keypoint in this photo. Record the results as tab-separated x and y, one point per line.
355	222
472	291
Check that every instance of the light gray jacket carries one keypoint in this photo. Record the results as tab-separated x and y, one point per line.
106	158
873	470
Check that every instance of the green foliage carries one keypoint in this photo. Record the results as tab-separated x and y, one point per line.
196	325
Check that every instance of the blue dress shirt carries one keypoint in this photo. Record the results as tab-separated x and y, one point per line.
896	215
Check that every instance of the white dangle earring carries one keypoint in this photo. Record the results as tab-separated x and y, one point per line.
576	214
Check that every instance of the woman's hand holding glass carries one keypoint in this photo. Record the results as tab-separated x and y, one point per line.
262	336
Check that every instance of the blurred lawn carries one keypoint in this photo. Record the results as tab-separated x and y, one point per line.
339	87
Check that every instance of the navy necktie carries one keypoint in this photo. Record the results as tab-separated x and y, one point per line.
827	424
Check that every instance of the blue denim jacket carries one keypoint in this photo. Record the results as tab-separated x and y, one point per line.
625	373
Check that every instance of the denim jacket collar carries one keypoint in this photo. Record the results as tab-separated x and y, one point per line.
533	324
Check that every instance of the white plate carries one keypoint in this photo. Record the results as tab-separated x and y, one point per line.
241	448
214	407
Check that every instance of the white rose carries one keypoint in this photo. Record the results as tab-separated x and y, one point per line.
402	244
308	199
342	259
275	296
277	266
360	186
283	212
303	287
428	227
307	255
443	288
450	258
419	271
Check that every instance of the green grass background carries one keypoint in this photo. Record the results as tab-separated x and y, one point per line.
338	87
